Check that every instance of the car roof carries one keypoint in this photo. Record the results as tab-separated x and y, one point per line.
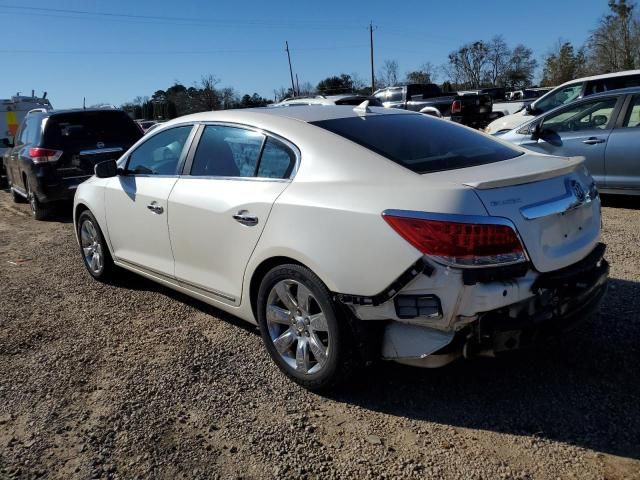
624	73
618	91
51	113
303	113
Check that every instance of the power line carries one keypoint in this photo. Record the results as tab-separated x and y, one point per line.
159	19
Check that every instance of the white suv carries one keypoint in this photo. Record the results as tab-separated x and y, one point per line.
565	93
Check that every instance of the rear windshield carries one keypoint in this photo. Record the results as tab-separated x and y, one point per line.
420	143
86	129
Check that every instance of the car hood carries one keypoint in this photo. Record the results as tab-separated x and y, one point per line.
508	122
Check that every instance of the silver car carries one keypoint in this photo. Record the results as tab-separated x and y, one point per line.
604	128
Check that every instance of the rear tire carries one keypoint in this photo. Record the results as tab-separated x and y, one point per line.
93	248
38	210
302	329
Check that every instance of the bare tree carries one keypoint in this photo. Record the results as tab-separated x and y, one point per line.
467	64
209	96
498	56
427	73
388	74
521	68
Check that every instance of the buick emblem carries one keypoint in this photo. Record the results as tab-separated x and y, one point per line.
100	144
578	191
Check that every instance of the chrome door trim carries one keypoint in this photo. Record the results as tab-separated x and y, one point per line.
575	196
173	280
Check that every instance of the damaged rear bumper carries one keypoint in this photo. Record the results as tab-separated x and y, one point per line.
545	305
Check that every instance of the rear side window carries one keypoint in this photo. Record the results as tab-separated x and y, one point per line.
30	130
420	143
277	160
88	129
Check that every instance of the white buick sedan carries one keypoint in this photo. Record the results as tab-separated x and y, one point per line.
352	234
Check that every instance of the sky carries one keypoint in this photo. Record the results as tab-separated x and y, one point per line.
111	52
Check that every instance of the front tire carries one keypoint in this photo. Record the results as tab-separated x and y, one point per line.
93	248
302	329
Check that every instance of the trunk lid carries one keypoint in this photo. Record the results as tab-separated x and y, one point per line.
550	200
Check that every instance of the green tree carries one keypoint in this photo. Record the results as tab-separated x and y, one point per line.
335	85
563	65
615	43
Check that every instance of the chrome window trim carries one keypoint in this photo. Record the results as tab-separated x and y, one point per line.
459	218
101	150
294	148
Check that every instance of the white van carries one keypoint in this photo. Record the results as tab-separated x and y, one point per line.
565	93
12	112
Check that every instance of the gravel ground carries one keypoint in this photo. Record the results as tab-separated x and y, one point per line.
136	381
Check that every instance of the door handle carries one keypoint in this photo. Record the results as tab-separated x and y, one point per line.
155	208
593	141
244	218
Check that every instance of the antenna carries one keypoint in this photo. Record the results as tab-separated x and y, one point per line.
84	101
362	109
293	86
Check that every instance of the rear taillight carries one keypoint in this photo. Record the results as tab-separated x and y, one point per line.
456	106
459	243
43	155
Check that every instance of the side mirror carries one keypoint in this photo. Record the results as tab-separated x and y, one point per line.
536	132
7	143
106	169
599	120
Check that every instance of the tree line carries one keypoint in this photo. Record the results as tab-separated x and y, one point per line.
613	45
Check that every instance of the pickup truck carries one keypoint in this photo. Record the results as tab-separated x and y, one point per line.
473	110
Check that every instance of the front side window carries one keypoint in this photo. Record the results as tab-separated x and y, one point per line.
227	152
633	115
595	114
160	154
557	97
420	143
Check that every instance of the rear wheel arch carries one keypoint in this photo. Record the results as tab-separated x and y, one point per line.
259	274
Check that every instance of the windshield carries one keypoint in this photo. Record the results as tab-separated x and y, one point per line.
557	97
419	142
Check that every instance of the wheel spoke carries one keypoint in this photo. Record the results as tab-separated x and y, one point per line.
283	290
302	355
278	315
87	251
318	322
318	349
303	298
94	262
283	342
85	236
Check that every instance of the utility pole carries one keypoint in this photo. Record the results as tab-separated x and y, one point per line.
297	85
373	79
293	87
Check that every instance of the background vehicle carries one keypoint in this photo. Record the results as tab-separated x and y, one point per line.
56	150
12	112
473	110
275	215
517	100
604	128
344	99
566	93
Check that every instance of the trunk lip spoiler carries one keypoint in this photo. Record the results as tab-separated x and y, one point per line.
572	164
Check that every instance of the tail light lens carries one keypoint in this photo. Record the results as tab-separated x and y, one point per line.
461	244
456	106
44	155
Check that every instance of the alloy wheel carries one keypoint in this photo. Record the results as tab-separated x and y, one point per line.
298	327
91	247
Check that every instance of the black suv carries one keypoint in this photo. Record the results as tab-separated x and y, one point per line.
57	150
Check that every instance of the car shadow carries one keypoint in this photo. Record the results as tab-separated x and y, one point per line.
581	389
631	202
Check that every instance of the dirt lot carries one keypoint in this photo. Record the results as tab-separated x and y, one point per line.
136	381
